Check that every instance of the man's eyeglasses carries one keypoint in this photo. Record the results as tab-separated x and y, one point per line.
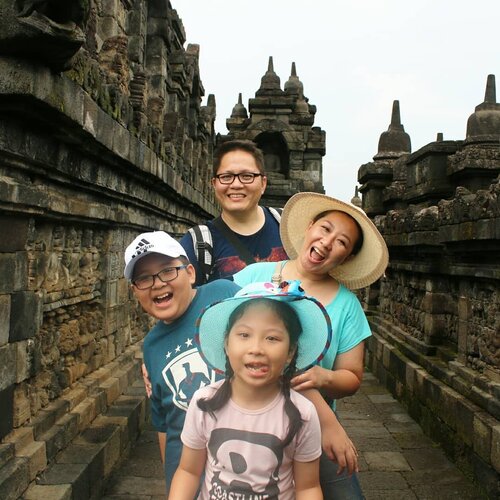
244	178
165	275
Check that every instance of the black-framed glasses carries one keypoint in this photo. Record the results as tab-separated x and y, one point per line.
244	178
165	275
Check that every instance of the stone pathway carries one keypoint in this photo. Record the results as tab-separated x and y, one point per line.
397	461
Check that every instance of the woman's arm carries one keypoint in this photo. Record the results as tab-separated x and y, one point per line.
343	380
334	440
187	476
306	477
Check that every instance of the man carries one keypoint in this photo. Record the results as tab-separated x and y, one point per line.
245	232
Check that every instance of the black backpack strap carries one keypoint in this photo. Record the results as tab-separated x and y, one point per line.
276	213
203	249
243	251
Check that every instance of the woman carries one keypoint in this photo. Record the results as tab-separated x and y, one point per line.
333	247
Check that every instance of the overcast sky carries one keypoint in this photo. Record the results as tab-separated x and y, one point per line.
354	57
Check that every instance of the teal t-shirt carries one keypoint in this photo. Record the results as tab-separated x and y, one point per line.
176	368
349	323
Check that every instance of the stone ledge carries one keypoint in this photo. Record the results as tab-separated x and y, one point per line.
468	433
70	450
59	100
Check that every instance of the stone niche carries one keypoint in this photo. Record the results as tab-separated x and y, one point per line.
280	121
436	313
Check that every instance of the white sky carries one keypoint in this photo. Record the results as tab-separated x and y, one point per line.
354	57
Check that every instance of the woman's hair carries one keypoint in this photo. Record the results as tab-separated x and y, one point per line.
359	240
294	329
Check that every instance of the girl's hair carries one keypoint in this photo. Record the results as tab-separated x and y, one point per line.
359	240
294	329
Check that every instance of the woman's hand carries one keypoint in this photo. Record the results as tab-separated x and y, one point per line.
314	378
339	448
147	382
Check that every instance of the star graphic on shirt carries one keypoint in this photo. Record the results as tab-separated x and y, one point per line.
178	348
189	342
168	354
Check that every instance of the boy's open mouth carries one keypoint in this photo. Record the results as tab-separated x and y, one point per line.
162	299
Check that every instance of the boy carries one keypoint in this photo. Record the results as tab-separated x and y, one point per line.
161	278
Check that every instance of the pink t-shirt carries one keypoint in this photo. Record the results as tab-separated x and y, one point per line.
245	458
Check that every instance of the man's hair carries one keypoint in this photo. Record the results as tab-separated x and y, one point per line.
238	145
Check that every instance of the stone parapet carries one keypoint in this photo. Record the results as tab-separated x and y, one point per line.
454	405
72	446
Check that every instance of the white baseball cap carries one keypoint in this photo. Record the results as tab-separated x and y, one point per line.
147	243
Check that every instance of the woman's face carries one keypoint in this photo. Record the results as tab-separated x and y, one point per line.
328	242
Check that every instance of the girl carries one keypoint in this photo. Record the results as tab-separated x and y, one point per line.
251	434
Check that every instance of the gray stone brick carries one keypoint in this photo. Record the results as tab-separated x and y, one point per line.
386	461
36	456
77	475
25	315
482	438
14	272
6	453
7	365
4	319
48	492
495	447
60	435
14	478
7	405
15	231
92	455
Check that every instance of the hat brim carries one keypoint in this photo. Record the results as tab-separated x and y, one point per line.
364	268
313	342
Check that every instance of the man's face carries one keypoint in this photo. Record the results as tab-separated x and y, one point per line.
238	197
164	301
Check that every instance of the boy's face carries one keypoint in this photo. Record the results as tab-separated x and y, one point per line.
164	301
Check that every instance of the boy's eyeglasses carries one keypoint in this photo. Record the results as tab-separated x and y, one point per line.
165	275
244	178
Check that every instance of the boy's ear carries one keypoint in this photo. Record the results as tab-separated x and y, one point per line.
191	273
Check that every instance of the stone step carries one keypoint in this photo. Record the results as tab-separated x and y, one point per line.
57	453
80	470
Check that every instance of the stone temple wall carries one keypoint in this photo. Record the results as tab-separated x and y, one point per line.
436	313
102	136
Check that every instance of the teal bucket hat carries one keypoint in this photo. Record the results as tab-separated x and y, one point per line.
313	342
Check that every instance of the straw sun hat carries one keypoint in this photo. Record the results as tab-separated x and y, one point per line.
362	269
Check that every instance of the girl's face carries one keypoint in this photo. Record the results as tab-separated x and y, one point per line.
258	347
328	242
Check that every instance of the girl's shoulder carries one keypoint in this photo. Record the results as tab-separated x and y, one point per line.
207	391
304	406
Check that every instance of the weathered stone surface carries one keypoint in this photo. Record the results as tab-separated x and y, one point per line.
35	453
6	401
25	315
48	492
14	478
